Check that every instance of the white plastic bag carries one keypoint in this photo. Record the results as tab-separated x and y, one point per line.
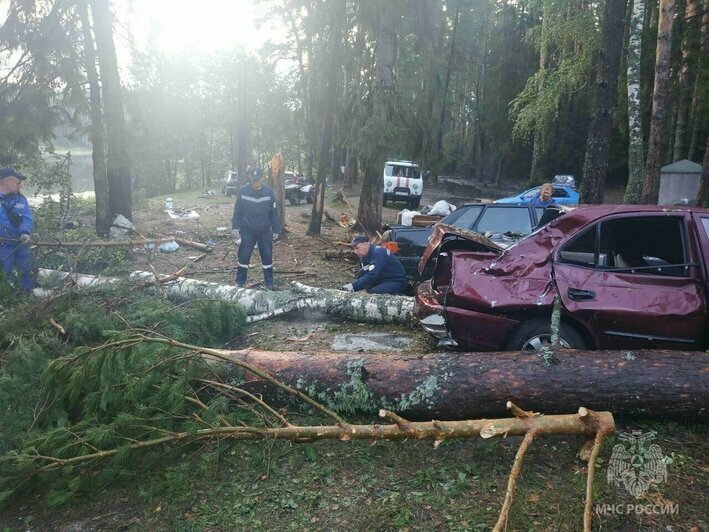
407	217
441	208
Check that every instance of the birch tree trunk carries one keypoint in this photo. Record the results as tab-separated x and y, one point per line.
660	98
117	163
263	304
636	153
98	147
598	142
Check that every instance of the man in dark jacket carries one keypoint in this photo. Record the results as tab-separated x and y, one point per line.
255	222
15	227
380	272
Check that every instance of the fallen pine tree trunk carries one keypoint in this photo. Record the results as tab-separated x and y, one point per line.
473	385
264	304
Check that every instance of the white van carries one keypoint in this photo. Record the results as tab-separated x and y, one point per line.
403	182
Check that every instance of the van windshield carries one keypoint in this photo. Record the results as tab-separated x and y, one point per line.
395	170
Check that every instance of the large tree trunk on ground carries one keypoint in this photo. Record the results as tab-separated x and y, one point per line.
660	97
261	304
474	385
598	143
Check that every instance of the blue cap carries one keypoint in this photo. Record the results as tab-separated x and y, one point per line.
9	171
358	240
255	174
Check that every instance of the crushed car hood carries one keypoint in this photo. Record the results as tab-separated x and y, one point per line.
443	231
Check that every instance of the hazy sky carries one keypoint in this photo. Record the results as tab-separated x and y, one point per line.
199	25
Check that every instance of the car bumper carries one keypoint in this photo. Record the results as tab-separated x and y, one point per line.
400	196
458	326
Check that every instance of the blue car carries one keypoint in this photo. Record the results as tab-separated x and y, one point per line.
563	195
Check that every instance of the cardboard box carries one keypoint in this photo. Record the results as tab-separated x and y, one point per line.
421	220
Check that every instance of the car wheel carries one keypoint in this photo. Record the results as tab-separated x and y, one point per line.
294	199
309	200
535	335
385	202
414	204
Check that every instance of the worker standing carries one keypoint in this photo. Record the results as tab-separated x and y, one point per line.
16	225
255	223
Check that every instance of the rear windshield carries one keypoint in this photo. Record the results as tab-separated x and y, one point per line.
505	220
395	170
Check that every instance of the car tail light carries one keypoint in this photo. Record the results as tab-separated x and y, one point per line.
391	246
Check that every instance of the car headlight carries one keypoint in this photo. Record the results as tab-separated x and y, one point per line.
389	184
415	187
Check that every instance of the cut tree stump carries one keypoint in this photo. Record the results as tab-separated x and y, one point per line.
474	385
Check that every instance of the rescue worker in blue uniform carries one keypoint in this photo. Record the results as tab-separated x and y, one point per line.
256	223
15	228
380	271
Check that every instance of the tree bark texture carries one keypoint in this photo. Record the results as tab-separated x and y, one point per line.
117	164
261	304
337	13
98	146
473	385
660	97
636	152
683	84
369	213
598	142
703	193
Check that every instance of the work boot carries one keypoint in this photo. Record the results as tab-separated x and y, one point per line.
241	273
268	278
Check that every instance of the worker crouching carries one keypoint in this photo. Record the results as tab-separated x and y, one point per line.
380	271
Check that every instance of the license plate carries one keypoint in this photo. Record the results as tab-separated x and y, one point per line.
401	193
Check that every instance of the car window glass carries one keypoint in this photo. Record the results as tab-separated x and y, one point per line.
581	249
560	193
467	217
705	222
395	170
504	220
645	245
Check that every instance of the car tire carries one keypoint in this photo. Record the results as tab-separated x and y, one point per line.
309	200
385	202
414	204
294	199
534	335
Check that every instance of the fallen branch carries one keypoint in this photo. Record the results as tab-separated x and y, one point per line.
119	243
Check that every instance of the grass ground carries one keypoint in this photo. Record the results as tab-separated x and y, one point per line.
387	486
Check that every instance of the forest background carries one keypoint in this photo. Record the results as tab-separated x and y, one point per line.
491	90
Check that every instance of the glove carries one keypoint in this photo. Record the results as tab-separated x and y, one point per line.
236	234
276	235
25	239
348	288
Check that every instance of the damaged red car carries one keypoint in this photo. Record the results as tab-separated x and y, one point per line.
627	277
